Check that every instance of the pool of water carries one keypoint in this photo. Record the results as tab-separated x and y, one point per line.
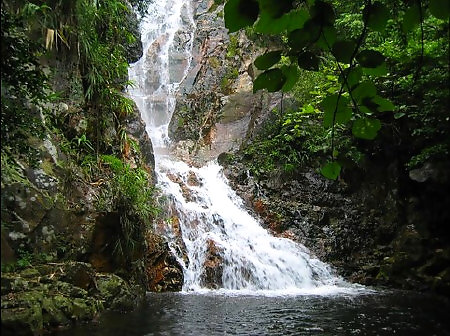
371	313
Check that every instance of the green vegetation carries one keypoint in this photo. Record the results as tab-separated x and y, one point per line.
228	79
81	49
381	72
23	87
132	197
232	46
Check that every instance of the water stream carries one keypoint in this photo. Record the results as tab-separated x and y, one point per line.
226	248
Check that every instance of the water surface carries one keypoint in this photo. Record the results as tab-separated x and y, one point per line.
380	313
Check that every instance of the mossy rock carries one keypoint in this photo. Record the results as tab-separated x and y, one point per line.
23	314
32	303
54	315
116	293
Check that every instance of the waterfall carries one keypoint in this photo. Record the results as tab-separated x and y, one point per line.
226	248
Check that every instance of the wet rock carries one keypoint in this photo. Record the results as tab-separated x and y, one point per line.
133	50
135	127
164	272
213	266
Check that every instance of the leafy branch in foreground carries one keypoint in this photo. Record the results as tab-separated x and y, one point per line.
312	37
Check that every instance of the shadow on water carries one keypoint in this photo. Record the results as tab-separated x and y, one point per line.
381	313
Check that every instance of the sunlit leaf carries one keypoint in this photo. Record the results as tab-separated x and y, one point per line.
240	13
440	9
343	50
370	58
331	170
335	107
376	15
265	61
366	128
272	80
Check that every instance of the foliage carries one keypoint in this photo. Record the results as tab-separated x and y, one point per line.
133	198
92	35
23	86
356	41
228	78
26	259
232	46
132	187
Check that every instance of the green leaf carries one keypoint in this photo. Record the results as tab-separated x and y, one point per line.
240	13
353	75
322	13
399	115
440	9
339	104
370	58
296	19
291	73
272	80
378	71
288	22
366	89
376	15
276	8
343	50
300	38
411	18
308	61
368	106
331	170
383	104
265	61
366	128
365	109
327	38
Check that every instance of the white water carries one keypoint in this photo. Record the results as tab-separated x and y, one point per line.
209	212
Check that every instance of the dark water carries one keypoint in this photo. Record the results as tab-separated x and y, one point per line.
386	313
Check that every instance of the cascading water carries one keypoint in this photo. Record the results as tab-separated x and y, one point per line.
226	247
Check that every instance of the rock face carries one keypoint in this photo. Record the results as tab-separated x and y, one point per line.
361	224
216	110
164	273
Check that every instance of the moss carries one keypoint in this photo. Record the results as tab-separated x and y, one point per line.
214	62
53	315
232	49
115	292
